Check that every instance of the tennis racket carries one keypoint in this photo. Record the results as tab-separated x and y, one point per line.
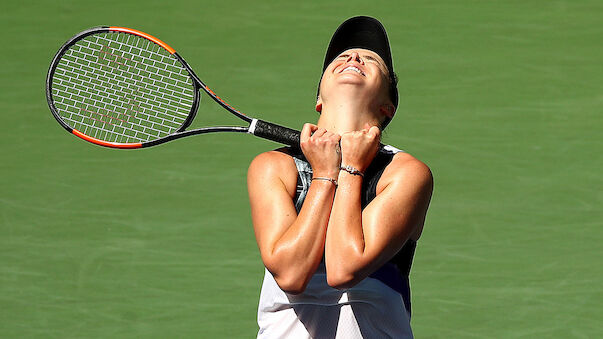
122	88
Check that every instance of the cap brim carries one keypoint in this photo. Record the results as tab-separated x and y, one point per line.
360	32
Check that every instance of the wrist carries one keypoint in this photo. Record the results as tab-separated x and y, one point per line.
326	180
351	170
326	173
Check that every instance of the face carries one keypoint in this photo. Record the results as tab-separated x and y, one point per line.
363	69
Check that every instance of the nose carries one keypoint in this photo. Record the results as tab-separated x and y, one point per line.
354	56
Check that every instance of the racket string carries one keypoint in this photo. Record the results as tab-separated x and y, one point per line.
122	88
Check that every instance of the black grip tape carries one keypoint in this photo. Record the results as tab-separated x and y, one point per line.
280	134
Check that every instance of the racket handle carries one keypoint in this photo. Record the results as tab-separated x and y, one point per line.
274	132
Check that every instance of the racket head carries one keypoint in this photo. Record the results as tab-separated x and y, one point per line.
120	88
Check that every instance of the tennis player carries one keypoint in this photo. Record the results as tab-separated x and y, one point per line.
337	223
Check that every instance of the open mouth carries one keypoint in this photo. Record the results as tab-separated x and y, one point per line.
353	69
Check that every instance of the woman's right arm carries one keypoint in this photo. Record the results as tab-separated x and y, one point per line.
292	245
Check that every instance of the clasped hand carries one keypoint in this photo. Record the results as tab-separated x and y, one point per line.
327	151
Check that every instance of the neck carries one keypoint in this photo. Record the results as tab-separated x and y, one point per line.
346	116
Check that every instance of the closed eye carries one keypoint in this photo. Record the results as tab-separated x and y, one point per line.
365	57
372	59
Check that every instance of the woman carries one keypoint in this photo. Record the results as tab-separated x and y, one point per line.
337	223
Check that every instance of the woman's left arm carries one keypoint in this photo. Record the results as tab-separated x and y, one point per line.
358	242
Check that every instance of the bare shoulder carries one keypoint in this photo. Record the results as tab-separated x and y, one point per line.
408	181
407	170
272	166
272	161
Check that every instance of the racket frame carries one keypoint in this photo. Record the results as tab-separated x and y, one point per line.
256	127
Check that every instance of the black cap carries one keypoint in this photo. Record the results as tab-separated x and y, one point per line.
367	33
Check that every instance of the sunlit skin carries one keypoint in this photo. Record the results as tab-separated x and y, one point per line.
354	242
346	93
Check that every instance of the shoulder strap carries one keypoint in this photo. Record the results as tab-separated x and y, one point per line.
374	171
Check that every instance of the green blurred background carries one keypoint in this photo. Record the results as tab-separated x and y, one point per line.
502	99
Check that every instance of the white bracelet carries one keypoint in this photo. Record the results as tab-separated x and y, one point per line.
351	170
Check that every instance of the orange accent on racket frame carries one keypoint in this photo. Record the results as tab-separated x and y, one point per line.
105	143
144	35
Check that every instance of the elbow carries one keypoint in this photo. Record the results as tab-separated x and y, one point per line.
343	275
291	284
292	279
342	280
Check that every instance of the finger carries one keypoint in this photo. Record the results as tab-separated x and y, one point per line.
307	131
347	136
336	137
331	135
319	133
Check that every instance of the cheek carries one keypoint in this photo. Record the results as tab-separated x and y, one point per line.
379	91
325	83
384	85
377	86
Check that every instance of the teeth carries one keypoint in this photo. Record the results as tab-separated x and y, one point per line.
352	68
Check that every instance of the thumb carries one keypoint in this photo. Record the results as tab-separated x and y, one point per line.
374	131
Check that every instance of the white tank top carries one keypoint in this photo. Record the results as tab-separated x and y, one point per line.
371	309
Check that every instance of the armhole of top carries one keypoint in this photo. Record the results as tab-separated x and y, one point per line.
304	179
375	171
304	175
